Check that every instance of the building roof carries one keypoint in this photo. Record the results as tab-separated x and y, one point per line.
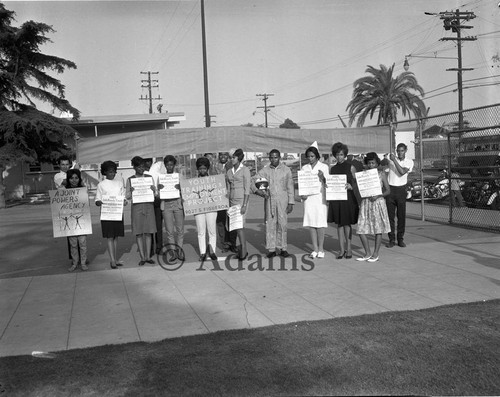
129	118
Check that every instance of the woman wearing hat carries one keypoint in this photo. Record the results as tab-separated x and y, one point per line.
238	181
315	205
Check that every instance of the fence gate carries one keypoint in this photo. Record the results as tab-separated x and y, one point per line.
458	165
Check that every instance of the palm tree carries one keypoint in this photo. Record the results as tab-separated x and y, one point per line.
386	94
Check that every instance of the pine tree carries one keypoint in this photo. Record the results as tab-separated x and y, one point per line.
26	133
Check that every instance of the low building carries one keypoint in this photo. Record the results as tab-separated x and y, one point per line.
26	179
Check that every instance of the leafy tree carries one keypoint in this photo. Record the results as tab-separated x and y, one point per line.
26	133
381	92
252	125
288	123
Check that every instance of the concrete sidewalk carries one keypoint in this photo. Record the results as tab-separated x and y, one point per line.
440	265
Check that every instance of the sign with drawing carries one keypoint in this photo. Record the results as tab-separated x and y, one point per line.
70	212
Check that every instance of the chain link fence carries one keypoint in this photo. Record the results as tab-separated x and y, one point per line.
456	177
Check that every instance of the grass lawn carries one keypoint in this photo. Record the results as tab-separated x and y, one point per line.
449	350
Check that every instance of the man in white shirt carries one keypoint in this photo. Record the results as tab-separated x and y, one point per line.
396	201
64	166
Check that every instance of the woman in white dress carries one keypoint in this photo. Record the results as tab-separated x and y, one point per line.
315	205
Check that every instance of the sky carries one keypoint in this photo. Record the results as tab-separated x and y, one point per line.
305	54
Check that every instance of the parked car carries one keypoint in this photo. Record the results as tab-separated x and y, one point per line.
291	161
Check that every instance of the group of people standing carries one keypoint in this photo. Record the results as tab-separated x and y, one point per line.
148	218
373	215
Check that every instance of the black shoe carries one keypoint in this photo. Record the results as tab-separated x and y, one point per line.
401	243
284	254
271	254
340	256
203	258
242	258
180	255
390	244
213	256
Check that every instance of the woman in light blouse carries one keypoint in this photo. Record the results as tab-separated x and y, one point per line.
238	185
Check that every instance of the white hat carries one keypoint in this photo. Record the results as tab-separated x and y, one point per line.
315	145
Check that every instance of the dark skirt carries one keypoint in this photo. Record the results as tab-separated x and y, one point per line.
111	229
344	212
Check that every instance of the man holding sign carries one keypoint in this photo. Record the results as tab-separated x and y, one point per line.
396	202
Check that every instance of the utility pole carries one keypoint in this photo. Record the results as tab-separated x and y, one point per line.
452	20
205	70
265	107
149	84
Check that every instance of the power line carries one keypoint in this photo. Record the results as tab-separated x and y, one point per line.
167	25
149	84
266	107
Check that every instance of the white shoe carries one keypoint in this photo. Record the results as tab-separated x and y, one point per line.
364	258
321	255
372	259
313	255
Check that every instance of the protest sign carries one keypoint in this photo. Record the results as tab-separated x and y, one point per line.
368	183
335	187
70	212
206	194
235	218
309	183
142	192
169	190
112	208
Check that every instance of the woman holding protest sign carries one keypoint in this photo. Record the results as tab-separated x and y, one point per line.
373	217
142	211
111	230
173	211
315	205
344	212
74	181
206	221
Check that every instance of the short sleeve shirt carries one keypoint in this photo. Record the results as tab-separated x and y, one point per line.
394	178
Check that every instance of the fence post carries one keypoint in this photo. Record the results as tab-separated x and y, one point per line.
421	161
448	166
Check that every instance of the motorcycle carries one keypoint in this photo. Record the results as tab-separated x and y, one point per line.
481	194
433	189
